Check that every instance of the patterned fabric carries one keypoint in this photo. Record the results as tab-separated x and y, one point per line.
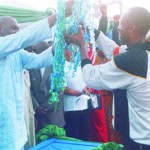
108	100
98	129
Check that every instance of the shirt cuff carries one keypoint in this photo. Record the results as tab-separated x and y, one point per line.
85	62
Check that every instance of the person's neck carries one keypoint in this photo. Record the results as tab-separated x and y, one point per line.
136	40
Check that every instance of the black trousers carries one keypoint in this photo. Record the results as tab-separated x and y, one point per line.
131	145
77	124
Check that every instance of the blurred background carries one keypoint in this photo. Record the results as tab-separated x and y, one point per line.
114	6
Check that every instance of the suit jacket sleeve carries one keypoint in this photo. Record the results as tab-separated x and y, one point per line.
35	101
103	24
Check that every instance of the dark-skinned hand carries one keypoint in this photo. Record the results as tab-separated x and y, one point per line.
41	110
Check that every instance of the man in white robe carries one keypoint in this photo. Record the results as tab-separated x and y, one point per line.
13	59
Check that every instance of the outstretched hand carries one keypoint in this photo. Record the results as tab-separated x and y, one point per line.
41	110
76	38
87	90
103	9
68	12
69	5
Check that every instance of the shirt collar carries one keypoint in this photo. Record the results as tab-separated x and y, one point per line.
144	46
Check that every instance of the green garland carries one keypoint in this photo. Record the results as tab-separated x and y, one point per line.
48	132
57	77
109	146
52	131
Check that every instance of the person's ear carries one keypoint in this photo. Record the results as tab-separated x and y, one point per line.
132	28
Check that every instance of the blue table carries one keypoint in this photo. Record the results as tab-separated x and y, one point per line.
59	144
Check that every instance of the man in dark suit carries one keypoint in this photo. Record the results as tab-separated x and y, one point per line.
40	86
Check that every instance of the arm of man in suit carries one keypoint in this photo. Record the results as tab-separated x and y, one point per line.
38	109
34	100
103	20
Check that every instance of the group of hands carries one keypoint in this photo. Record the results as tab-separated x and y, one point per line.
42	110
76	38
85	91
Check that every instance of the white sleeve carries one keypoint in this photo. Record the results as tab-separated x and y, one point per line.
106	76
34	33
106	45
35	61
